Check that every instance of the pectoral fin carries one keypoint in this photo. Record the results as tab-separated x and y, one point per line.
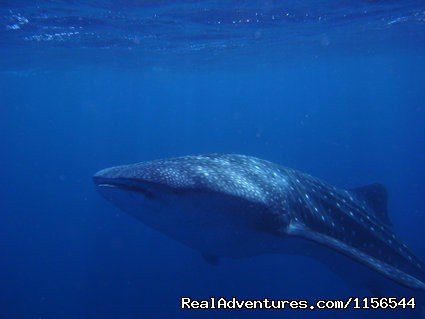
298	229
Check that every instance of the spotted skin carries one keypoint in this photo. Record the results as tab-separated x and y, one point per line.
298	205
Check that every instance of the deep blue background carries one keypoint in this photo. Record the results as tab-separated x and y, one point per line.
350	119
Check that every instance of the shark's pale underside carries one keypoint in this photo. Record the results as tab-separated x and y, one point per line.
237	206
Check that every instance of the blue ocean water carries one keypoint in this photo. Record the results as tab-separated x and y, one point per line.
332	88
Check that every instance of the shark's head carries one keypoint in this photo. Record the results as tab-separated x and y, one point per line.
188	197
143	187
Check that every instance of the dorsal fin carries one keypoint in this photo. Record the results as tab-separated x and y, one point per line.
376	197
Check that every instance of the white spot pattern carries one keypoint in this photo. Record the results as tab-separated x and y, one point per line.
320	207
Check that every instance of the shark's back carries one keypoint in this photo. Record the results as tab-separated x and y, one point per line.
349	222
352	222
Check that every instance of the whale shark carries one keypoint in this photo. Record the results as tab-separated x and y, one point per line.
229	205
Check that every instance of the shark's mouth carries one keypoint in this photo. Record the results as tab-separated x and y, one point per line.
126	185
